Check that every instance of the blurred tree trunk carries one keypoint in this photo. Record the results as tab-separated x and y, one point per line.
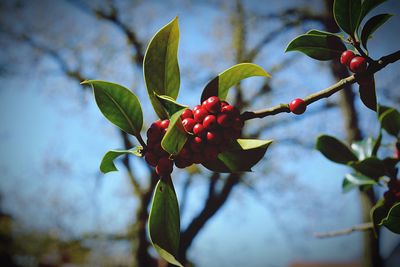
372	257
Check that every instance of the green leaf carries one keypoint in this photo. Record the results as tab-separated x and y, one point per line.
347	14
335	150
390	166
170	105
317	46
371	167
381	110
353	180
378	213
371	26
220	85
377	144
164	221
367	92
107	163
392	220
119	105
160	65
216	166
176	136
390	121
363	149
244	154
367	6
323	33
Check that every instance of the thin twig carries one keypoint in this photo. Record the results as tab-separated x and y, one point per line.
374	67
360	227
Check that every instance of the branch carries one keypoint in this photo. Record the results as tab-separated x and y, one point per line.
374	67
361	227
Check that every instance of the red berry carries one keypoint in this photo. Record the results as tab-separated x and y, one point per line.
210	122
231	110
188	124
200	114
204	103
164	166
153	134
158	150
224	103
297	106
397	154
212	104
358	64
196	108
224	119
196	144
198	129
214	137
164	124
237	123
187	113
157	124
346	57
151	158
210	152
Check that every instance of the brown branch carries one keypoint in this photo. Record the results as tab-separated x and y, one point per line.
361	227
373	68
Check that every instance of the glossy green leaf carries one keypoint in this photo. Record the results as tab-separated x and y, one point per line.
371	26
335	150
317	46
324	33
164	221
367	6
160	65
371	167
170	105
216	165
381	110
377	144
392	220
107	163
353	180
363	149
243	154
390	121
220	85
176	136
119	105
347	14
390	166
367	92
378	213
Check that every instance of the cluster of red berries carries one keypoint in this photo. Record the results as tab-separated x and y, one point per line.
355	63
393	194
211	126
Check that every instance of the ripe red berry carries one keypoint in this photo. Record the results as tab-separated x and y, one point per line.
210	152
164	166
188	124
212	104
153	134
187	113
346	57
358	64
151	158
199	130
196	108
200	114
210	122
297	106
224	103
224	119
196	144
164	124
214	137
238	123
231	110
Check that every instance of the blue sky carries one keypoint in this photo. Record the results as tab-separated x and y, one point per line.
53	136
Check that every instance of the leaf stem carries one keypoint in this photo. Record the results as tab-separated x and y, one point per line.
141	141
361	227
375	66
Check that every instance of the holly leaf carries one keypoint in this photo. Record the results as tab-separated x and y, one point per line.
354	180
160	66
371	167
335	150
317	46
390	121
392	220
176	136
378	213
243	154
220	85
367	92
119	105
347	14
323	33
170	105
164	221
371	26
107	163
367	6
381	110
363	149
